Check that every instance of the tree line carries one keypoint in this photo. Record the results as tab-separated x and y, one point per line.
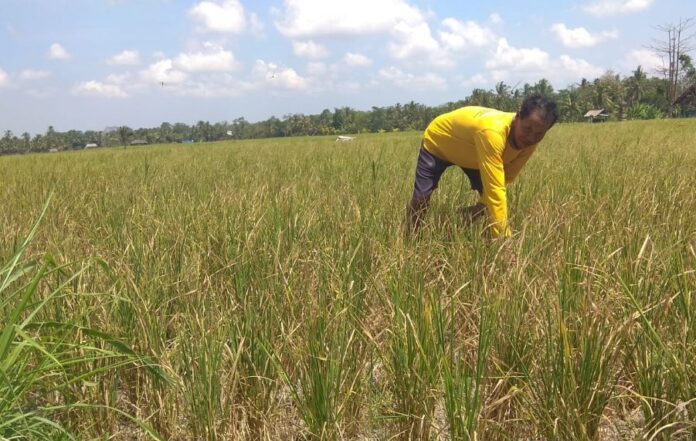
635	96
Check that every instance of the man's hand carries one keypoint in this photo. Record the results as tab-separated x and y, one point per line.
474	212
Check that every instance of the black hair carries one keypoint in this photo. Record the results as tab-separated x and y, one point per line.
539	103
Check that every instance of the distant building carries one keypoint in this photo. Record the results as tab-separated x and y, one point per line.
596	115
138	142
343	138
687	101
91	145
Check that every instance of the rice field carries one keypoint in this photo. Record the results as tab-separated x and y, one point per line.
268	290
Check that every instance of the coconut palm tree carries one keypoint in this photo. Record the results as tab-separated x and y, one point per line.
635	86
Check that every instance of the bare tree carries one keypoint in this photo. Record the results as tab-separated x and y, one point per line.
678	43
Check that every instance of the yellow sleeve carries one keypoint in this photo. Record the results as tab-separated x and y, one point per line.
513	168
490	147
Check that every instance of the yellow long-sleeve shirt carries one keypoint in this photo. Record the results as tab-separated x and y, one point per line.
476	137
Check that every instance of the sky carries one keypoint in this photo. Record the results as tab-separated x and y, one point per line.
92	64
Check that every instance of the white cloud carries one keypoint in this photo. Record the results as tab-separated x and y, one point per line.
316	69
579	37
125	58
411	37
477	80
311	18
414	41
463	35
511	64
120	79
215	85
33	74
606	8
356	60
271	75
578	67
255	24
646	58
508	57
225	16
57	52
163	71
219	60
427	81
309	49
41	93
99	89
4	78
495	19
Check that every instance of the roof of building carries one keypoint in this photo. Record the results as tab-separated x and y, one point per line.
689	96
596	112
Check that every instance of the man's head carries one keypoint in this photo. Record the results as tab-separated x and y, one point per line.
536	116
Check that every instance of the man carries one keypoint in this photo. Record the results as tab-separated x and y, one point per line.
490	146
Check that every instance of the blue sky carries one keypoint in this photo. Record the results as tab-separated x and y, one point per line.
89	64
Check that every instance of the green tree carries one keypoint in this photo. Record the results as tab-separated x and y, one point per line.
165	132
635	86
569	104
26	142
50	138
124	134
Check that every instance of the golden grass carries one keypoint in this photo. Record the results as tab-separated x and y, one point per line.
273	281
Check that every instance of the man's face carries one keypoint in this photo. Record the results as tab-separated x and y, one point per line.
529	131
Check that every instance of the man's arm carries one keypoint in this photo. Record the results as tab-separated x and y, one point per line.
490	146
515	166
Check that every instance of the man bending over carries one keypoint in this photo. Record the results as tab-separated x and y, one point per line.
490	146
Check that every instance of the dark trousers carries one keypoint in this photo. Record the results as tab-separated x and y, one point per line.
429	170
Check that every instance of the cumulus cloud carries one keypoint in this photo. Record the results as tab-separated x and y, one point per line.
477	80
57	52
317	68
225	16
409	34
579	37
462	35
125	58
255	25
217	60
122	78
312	18
508	57
512	64
309	49
271	75
163	71
215	85
356	60
99	89
407	80
579	67
606	8
495	19
33	75
4	78
647	59
40	93
415	41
